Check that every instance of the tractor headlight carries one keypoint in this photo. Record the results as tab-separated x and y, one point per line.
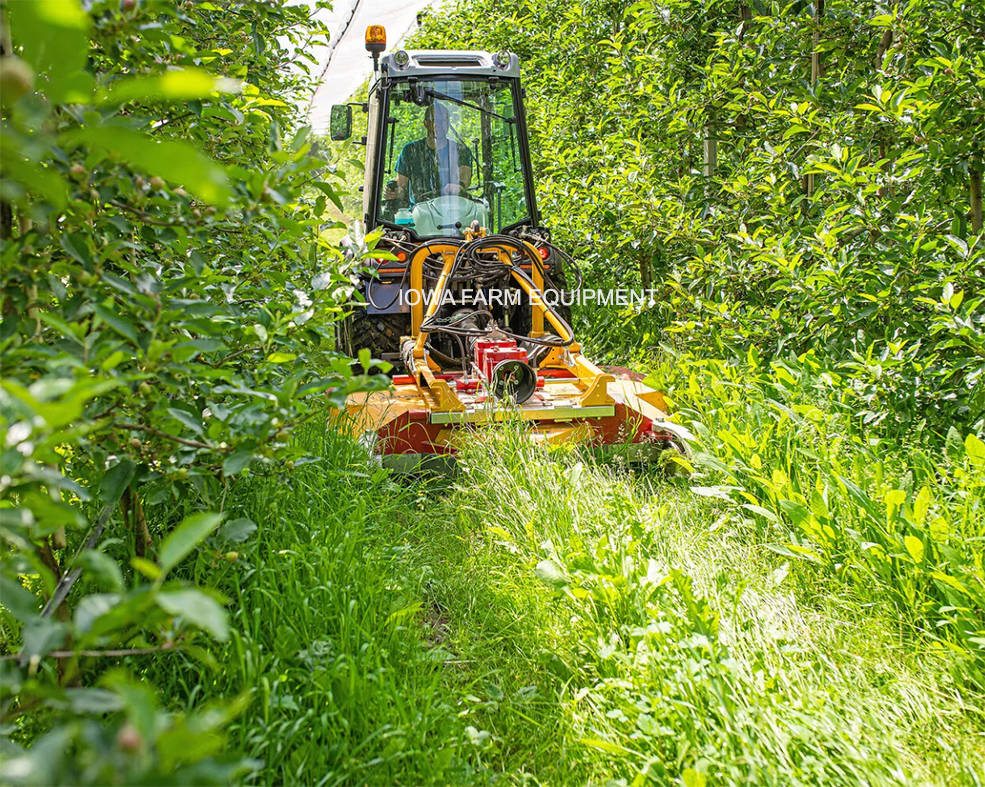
501	60
401	59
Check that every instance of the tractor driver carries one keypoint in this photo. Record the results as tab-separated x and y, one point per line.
433	165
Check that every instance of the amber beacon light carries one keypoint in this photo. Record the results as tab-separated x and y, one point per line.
375	39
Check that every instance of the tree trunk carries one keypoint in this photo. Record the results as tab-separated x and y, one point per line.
710	154
646	271
134	520
815	54
6	213
745	19
975	178
141	533
884	44
815	74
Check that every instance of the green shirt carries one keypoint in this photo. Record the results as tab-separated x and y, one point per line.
431	169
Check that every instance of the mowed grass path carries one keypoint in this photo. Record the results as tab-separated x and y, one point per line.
544	620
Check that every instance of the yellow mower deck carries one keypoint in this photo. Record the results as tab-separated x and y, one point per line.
411	421
429	411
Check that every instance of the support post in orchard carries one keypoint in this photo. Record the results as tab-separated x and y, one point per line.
710	152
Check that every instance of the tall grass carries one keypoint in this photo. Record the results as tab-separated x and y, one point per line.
677	650
547	619
327	633
904	522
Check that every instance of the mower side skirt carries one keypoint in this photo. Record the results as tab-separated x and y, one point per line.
559	413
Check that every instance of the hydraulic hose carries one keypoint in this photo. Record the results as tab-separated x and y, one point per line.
479	262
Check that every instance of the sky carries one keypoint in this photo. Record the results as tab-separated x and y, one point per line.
345	64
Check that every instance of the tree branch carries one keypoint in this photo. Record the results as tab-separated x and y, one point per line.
165	435
145	218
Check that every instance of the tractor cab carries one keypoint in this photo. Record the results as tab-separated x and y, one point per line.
446	145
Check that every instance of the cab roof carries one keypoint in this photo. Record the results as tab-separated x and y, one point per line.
443	62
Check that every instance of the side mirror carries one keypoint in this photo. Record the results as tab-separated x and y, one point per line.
340	125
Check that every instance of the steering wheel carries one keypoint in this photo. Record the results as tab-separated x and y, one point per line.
439	192
424	196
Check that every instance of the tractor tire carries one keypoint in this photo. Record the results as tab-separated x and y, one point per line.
378	333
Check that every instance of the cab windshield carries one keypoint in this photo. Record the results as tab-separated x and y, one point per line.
452	157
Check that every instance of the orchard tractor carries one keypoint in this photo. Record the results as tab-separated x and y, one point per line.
466	297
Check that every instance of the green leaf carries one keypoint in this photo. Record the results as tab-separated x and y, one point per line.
921	505
75	245
605	746
824	167
197	608
98	701
958	244
883	20
114	360
238	460
138	698
91	608
796	512
864	502
178	162
117	478
975	449
22	604
184	538
237	531
720	492
59	325
795	551
191	421
954	446
119	324
331	193
180	85
54	35
915	547
42	635
763	512
45	181
693	778
103	569
145	567
947	579
894	498
281	357
548	572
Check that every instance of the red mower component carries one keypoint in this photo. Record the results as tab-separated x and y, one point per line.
506	369
482	346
